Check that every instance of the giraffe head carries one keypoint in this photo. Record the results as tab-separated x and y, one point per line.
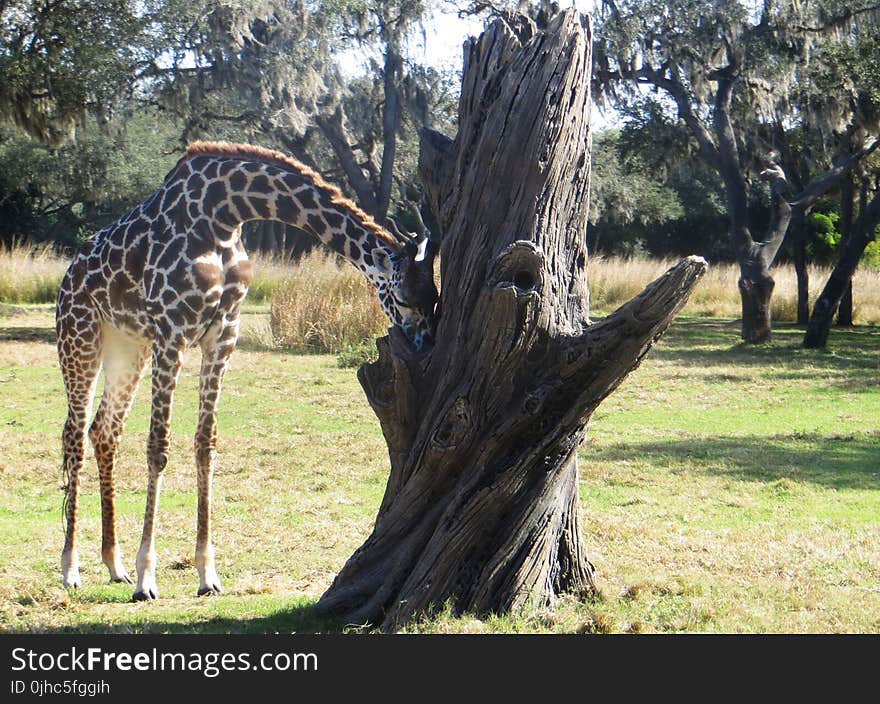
408	294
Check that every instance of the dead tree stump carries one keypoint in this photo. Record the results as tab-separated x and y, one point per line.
481	507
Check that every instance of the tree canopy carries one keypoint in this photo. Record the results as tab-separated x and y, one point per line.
63	60
277	72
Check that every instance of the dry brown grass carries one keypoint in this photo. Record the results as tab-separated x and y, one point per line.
30	274
319	304
613	281
270	273
325	306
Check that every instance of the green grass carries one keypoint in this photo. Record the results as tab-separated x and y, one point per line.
724	488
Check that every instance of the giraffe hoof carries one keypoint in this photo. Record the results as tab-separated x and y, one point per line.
210	590
122	579
71	581
145	595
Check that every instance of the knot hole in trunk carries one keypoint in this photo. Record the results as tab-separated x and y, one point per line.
454	428
520	265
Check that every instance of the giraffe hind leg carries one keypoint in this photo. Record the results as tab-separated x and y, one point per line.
124	361
79	356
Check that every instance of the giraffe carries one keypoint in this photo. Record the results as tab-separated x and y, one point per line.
172	274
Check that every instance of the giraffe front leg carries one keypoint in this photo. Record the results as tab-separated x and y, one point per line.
205	443
166	368
209	582
147	588
216	350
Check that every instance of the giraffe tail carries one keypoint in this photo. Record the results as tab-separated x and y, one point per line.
65	487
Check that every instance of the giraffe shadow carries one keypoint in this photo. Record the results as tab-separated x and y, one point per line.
297	618
300	617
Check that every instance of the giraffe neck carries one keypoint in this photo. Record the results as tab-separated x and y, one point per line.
223	192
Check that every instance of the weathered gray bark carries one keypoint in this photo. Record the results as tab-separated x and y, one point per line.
481	507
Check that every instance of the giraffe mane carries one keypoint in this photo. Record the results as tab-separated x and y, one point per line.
269	156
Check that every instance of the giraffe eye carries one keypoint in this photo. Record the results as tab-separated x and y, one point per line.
399	303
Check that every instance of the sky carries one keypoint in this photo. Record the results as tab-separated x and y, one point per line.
444	36
445	33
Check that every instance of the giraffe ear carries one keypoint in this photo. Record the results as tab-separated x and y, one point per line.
382	262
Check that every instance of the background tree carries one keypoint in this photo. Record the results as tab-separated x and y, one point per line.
61	194
726	69
656	149
624	199
834	93
862	236
843	81
276	72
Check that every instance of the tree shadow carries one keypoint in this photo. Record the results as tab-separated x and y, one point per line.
299	617
27	334
836	462
852	351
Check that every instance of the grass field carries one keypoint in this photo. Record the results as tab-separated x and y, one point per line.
724	489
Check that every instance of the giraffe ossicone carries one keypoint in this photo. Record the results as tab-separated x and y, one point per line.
172	274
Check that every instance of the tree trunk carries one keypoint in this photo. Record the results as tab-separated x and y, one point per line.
823	311
755	258
268	239
756	283
390	124
481	507
333	129
756	289
801	270
847	194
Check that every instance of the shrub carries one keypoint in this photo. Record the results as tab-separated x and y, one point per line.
30	274
356	355
323	306
871	257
